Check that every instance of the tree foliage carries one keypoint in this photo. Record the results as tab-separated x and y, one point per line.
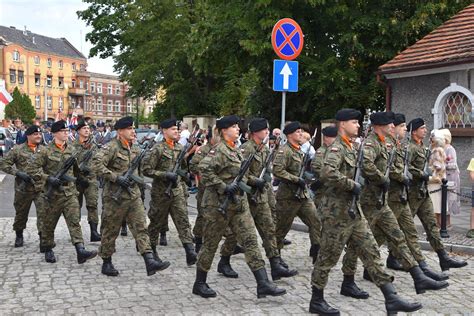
215	57
20	107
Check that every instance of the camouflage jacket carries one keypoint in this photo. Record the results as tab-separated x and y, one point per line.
256	167
286	167
316	166
198	157
113	160
17	159
83	151
396	172
48	162
417	158
159	160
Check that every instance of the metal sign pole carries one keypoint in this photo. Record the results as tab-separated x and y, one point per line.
283	109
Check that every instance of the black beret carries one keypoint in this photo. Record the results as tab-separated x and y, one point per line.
227	121
272	137
81	124
100	124
258	124
381	118
330	131
124	122
59	125
415	124
291	127
32	129
168	123
399	119
348	114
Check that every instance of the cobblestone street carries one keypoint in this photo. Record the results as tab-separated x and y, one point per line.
31	286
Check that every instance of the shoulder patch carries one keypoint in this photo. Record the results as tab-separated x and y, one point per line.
368	144
280	151
334	149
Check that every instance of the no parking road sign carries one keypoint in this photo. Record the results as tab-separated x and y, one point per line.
287	39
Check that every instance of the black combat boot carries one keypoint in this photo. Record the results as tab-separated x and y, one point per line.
394	303
108	268
82	254
49	255
367	276
423	282
313	252
155	253
286	242
264	286
94	234
238	249
163	241
153	265
446	262
318	304
191	255
350	288
198	242
432	274
225	268
200	286
393	263
279	271
19	238
123	231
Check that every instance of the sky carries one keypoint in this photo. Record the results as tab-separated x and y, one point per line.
54	18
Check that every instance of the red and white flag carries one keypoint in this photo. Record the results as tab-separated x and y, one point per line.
5	97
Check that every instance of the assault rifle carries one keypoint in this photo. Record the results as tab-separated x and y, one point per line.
305	163
406	173
238	179
267	166
383	191
426	171
83	166
61	174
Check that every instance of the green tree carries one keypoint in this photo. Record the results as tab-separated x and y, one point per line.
20	107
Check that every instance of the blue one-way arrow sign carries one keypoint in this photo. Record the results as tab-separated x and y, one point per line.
285	75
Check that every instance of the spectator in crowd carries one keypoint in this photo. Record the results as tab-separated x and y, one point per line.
470	168
452	174
437	165
184	133
276	132
307	144
20	135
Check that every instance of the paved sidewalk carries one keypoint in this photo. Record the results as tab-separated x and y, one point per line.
33	287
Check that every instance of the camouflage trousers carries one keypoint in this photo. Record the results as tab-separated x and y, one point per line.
272	204
162	205
242	225
423	208
91	194
22	203
114	213
68	206
339	231
199	223
287	210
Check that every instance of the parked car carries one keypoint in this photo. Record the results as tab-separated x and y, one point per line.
6	141
144	132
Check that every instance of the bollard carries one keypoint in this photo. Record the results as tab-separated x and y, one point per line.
444	205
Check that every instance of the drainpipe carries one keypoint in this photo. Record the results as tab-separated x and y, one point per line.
388	92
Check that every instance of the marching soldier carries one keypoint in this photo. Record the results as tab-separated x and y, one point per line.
219	169
419	200
59	192
112	162
286	168
86	183
339	228
158	164
26	190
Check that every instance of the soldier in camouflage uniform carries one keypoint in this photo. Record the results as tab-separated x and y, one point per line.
158	164
381	219
339	229
62	192
219	169
419	200
86	183
26	190
112	162
286	168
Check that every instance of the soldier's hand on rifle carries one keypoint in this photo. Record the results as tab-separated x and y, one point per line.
231	189
301	183
86	171
356	188
123	182
426	176
23	176
259	184
171	177
406	181
386	184
82	182
55	182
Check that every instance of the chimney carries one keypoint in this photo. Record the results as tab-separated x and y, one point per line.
25	32
33	40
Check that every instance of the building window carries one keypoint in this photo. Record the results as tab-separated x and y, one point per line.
129	107
61	82
458	111
93	105
109	89
117	90
117	106
38	102
49	81
50	102
60	64
82	67
99	104
61	103
99	88
109	106
21	77
73	103
12	76
81	84
92	87
73	83
37	80
37	60
73	66
16	56
50	63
